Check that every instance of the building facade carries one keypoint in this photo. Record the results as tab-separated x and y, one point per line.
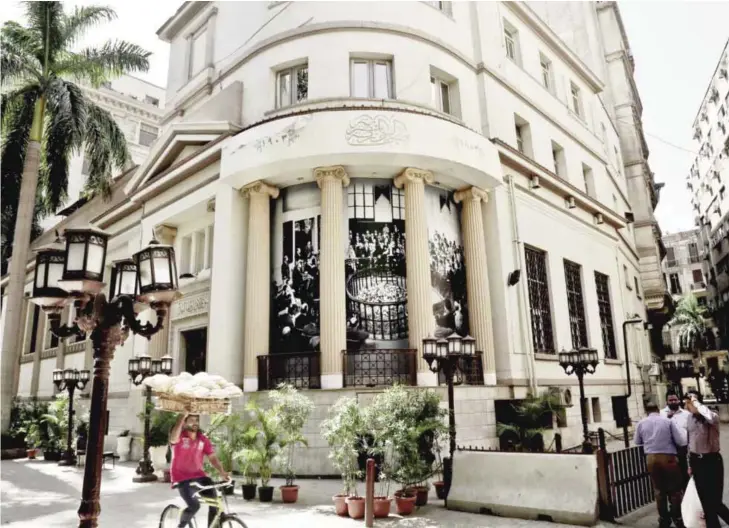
683	266
342	180
707	182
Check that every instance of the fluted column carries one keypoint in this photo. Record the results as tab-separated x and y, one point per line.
417	255
258	279
158	344
332	307
477	277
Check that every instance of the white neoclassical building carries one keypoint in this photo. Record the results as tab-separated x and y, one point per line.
341	180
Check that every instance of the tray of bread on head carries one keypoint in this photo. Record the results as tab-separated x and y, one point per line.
201	393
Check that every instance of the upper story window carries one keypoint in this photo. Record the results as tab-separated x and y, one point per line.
560	163
147	134
371	78
198	49
523	136
511	42
151	100
589	179
575	304
440	91
539	302
575	100
196	251
602	287
292	85
547	78
445	7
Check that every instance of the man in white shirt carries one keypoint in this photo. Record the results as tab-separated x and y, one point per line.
679	416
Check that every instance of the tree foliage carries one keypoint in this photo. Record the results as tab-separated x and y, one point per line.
689	322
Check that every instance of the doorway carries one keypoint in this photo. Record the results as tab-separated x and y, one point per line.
195	342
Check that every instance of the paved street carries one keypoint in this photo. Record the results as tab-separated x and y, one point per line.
43	494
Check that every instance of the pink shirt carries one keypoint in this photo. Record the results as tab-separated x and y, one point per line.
188	455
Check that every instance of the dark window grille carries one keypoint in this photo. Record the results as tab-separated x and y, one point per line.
379	367
300	369
606	315
576	304
541	313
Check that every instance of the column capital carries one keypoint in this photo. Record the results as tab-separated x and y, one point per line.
260	187
413	175
335	172
165	234
471	194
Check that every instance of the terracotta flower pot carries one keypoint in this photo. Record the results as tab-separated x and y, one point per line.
249	491
421	495
440	489
382	507
356	507
265	493
289	494
340	505
404	504
32	453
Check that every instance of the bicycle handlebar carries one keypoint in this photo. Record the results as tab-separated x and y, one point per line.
214	485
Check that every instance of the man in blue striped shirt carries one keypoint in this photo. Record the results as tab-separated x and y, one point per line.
659	437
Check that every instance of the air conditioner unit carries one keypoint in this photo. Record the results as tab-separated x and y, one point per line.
569	201
563	395
534	182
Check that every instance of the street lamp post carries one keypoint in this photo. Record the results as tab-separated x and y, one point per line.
450	356
74	272
581	362
70	380
140	368
699	372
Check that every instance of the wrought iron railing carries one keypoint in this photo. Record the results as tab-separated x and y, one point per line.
474	372
377	367
379	301
300	369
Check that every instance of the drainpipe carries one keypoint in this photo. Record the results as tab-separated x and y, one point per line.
526	333
635	319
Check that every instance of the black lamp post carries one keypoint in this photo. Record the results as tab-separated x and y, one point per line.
140	368
70	380
581	362
75	273
452	357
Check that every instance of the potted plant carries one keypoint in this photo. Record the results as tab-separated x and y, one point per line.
532	417
342	431
33	440
439	484
159	436
246	460
123	445
227	433
265	449
293	410
56	424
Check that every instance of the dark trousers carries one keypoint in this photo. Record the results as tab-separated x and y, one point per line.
187	492
667	480
683	464
708	473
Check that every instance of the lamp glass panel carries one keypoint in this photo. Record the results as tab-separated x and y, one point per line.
55	273
161	268
76	375
145	362
166	364
95	262
75	260
68	375
85	375
133	365
57	375
441	347
127	282
40	275
156	366
145	273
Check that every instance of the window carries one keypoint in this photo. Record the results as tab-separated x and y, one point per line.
546	66
196	251
440	92
523	136
198	45
539	306
675	284
34	328
151	100
596	412
147	134
361	201
576	304
698	276
671	257
511	42
693	253
575	99
292	85
637	287
558	159
589	181
372	79
626	276
445	7
602	286
86	166
51	339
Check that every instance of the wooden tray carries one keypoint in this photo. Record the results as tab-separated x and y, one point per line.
177	403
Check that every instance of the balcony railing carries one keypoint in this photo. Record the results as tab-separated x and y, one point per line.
378	367
474	374
698	286
300	369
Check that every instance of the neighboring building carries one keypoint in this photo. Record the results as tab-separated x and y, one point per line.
707	181
682	267
137	107
304	142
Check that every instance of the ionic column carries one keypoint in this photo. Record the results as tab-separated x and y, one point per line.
258	280
417	255
332	307
477	277
158	344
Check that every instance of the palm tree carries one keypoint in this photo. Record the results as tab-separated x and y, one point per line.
689	322
45	119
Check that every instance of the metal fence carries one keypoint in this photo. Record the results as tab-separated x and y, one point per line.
300	369
378	367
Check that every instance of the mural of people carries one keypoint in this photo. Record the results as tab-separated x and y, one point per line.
375	266
447	269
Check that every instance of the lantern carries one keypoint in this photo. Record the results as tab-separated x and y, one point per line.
57	376
167	364
454	343
84	375
441	347
133	367
156	366
157	273
84	263
429	346
564	358
145	363
47	291
123	278
468	346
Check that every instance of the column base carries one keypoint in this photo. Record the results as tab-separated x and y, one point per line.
332	381
489	378
250	384
427	379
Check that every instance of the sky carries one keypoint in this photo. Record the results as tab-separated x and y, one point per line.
676	46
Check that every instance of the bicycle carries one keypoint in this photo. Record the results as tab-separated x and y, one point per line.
224	519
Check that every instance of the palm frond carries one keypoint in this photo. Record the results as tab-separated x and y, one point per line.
17	60
84	18
45	20
98	64
106	148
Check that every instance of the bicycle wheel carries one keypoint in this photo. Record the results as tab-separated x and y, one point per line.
170	517
230	521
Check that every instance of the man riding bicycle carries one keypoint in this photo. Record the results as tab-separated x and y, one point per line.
189	447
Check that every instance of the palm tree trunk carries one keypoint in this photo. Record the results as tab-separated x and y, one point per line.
12	337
